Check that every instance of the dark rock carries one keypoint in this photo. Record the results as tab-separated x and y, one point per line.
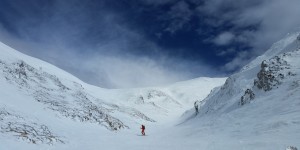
247	97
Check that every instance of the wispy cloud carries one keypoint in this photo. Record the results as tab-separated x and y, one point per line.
259	23
178	16
224	38
239	61
225	52
99	47
107	47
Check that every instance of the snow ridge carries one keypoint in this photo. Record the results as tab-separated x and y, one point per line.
259	102
265	75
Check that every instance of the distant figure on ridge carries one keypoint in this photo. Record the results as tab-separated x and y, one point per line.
196	107
143	129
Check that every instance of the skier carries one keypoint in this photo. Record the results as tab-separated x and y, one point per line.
143	129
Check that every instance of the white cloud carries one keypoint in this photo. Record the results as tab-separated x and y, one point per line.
226	52
127	73
224	38
111	64
276	19
178	16
270	21
238	62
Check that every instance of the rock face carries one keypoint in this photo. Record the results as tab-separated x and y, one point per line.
291	148
32	132
271	73
247	97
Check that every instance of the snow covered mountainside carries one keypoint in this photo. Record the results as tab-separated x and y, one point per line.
44	107
258	107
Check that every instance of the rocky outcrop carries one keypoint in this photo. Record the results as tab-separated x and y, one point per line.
247	97
271	74
21	128
291	148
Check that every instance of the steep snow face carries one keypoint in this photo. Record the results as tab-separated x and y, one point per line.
257	108
289	43
269	65
65	97
42	104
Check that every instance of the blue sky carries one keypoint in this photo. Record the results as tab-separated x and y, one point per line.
133	43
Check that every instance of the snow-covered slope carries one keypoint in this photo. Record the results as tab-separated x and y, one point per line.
257	108
42	105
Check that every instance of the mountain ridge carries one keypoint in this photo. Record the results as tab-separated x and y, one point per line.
257	103
36	97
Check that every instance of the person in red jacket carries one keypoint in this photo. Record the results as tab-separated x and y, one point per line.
143	129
